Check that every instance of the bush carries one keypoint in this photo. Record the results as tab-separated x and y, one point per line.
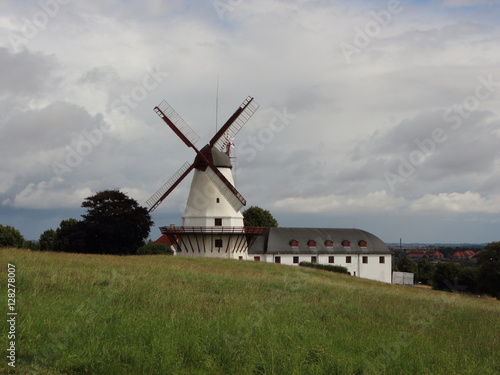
152	248
47	240
325	267
446	277
10	237
32	245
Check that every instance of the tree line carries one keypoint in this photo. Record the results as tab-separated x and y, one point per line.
113	224
482	277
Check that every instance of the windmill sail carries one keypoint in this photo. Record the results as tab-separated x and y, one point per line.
167	188
235	123
177	123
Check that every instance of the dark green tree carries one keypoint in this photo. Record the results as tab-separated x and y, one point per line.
10	237
257	217
70	237
488	276
152	248
47	240
446	277
425	271
114	223
405	264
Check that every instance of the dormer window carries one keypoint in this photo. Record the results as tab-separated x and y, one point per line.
346	243
311	243
294	243
362	243
329	243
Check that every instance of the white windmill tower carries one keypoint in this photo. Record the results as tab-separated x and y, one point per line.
212	224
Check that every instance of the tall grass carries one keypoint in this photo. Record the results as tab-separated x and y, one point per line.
91	314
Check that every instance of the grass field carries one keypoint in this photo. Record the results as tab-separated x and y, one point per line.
90	314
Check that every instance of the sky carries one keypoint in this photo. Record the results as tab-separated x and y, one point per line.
377	115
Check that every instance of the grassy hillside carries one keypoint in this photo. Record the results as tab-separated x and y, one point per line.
86	314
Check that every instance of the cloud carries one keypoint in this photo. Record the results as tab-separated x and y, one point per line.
467	202
352	122
44	196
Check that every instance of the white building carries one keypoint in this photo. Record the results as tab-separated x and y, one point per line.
362	253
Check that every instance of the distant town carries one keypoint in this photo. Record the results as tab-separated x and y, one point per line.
437	252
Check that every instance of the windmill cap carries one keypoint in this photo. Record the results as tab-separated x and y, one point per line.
220	159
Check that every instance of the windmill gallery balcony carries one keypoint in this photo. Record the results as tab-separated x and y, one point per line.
212	239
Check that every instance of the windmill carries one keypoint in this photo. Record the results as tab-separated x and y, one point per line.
211	221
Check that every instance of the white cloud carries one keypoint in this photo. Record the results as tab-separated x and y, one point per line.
353	121
377	201
467	202
45	195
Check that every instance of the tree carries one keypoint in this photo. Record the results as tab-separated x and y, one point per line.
405	264
425	270
257	217
446	277
70	237
488	276
114	223
47	240
10	237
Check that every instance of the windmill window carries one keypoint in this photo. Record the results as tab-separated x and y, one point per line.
217	200
294	243
311	243
218	222
346	243
218	243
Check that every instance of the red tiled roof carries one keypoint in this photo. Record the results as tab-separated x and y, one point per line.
164	240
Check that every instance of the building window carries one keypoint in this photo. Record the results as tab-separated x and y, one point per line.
328	243
217	200
346	243
295	260
257	259
311	243
277	259
331	259
381	259
362	243
294	243
218	222
218	243
313	259
240	258
365	259
348	259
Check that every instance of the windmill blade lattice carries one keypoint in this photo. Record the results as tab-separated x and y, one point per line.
162	192
165	110
234	125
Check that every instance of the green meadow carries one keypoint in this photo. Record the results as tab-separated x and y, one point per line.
97	314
